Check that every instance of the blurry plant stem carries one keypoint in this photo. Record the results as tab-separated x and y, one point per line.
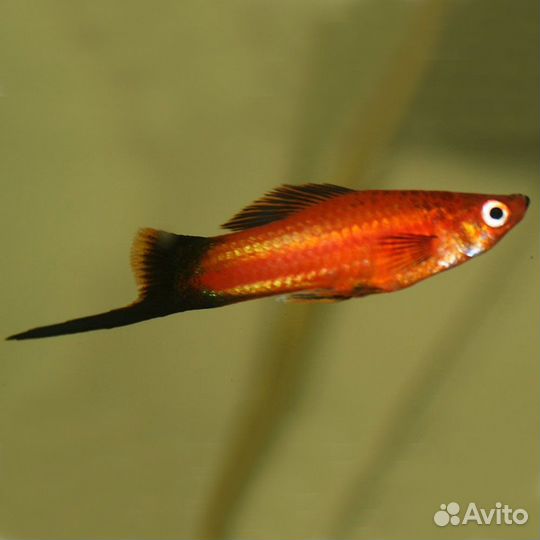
377	124
403	425
285	358
278	373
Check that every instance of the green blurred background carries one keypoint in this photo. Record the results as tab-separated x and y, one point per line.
262	420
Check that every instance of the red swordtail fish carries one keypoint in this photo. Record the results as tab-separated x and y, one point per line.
313	242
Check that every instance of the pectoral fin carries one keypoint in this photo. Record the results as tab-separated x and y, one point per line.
404	251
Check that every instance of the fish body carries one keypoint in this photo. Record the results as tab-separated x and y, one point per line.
316	242
353	244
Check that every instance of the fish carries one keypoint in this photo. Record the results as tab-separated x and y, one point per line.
308	243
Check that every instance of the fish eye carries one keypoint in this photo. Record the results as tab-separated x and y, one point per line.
495	213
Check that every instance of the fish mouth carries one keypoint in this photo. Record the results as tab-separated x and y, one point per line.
524	198
519	203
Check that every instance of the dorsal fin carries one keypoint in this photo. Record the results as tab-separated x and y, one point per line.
281	203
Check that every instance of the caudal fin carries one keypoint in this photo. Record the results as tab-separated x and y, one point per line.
117	317
163	264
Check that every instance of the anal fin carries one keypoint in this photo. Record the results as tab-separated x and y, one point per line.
326	296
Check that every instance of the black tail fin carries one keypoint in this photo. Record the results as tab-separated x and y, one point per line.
117	317
163	264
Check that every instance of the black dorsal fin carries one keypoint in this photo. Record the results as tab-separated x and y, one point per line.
283	202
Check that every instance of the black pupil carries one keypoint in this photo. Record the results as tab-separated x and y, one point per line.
496	213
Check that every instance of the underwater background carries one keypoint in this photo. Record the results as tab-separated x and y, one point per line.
264	419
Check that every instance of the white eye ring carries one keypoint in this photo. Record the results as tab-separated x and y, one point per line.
495	213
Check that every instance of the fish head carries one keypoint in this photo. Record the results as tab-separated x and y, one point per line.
482	220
